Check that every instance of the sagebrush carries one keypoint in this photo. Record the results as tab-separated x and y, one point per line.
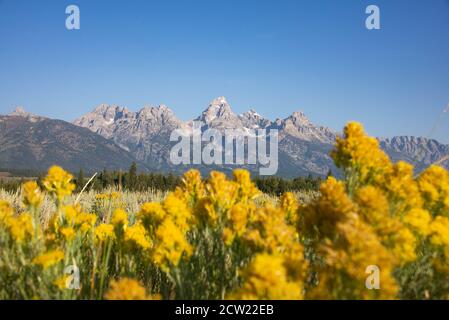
220	238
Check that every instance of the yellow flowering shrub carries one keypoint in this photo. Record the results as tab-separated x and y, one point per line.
104	232
20	227
151	215
290	205
128	289
136	237
360	157
434	186
170	245
266	278
405	211
59	183
32	196
48	259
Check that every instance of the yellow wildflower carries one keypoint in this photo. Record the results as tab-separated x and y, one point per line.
49	258
270	232
404	246
151	214
238	216
86	221
171	245
360	157
373	205
228	236
290	205
419	220
247	189
68	233
107	196
21	227
120	220
136	236
192	185
319	219
104	231
206	212
402	188
221	191
346	258
266	278
128	289
31	194
439	229
71	212
76	218
178	211
374	208
434	186
6	210
61	282
58	183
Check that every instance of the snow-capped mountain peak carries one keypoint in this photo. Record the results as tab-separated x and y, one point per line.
219	115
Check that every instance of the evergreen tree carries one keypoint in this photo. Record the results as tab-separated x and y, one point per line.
80	180
131	181
119	180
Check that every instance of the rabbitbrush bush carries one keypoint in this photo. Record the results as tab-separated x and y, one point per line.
213	239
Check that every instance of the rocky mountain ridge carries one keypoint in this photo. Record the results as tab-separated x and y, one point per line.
303	146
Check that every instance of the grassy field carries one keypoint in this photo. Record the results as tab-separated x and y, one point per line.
380	233
130	201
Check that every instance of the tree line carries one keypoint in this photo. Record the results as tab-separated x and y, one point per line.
132	180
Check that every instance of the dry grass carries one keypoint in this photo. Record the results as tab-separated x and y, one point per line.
130	201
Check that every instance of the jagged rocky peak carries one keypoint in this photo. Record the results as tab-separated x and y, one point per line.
411	144
21	112
402	140
103	119
154	111
299	126
253	120
161	114
220	102
296	121
109	112
218	108
251	113
298	118
107	108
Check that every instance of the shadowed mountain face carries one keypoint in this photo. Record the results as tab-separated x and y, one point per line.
303	147
32	142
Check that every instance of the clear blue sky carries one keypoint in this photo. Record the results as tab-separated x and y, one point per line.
274	56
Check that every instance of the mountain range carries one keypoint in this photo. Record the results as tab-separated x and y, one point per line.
112	137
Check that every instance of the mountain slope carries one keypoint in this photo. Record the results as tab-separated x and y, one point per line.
32	142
